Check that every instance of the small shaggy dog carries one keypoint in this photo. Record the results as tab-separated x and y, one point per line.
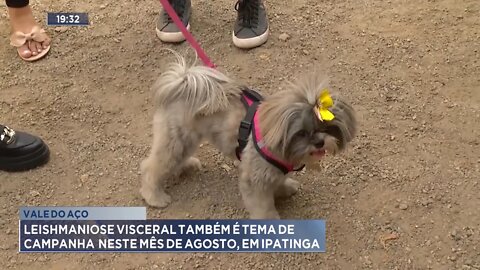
272	137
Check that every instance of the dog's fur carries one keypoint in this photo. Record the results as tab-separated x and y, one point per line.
195	103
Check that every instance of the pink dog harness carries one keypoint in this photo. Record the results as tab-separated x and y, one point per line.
251	99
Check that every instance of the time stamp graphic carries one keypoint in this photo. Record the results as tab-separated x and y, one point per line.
67	19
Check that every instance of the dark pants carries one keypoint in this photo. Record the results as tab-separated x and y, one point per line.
17	3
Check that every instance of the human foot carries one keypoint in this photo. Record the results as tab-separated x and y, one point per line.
20	151
31	41
251	26
166	29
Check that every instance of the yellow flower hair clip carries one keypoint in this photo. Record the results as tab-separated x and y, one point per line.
324	102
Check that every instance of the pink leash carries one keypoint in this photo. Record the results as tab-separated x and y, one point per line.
200	52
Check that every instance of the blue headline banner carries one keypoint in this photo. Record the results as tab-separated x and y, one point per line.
171	235
83	213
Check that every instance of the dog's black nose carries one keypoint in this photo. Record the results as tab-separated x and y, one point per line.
319	143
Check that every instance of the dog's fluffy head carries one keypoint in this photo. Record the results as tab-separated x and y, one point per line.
293	131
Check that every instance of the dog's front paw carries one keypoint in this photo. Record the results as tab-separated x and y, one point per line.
158	198
265	215
192	163
287	189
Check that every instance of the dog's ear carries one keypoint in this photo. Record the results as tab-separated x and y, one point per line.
278	116
344	126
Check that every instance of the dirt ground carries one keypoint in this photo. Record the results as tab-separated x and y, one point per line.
411	69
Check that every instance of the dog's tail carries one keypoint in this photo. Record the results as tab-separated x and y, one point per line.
202	90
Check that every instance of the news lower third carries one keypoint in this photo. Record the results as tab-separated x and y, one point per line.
126	229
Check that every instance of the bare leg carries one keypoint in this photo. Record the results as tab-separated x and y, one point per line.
21	19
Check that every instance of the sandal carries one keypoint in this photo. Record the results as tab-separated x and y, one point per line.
18	39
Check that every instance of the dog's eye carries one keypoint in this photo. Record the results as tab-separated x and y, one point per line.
302	133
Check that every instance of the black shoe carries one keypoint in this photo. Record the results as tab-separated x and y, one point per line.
251	27
167	30
21	151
